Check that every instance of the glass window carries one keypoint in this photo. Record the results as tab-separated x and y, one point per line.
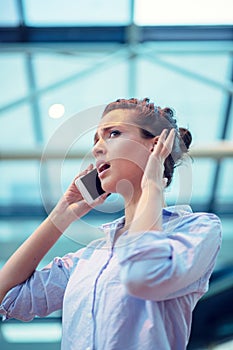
16	129
51	67
19	182
203	172
229	135
13	77
225	189
82	95
198	105
73	12
8	13
183	12
189	185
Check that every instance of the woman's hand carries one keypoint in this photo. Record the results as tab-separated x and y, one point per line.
72	206
148	215
25	260
155	166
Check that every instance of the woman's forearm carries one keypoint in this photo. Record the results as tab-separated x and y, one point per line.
24	261
148	215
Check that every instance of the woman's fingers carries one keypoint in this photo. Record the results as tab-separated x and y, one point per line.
165	143
168	144
73	194
84	172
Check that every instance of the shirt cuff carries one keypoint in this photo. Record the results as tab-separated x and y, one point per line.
3	312
8	300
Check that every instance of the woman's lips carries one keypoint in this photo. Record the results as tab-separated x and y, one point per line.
103	169
102	166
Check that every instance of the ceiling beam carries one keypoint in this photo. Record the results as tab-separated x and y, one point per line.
119	34
215	150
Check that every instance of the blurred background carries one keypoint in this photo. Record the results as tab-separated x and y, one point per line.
61	61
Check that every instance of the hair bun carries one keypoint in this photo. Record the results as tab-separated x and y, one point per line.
186	136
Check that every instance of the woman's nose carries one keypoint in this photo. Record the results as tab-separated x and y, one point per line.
99	148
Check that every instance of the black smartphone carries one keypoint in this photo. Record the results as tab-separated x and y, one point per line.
90	186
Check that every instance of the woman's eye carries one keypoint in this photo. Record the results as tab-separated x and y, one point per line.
114	133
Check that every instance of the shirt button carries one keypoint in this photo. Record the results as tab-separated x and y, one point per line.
89	348
89	315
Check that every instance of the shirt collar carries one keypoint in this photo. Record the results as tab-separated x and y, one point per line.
175	211
110	228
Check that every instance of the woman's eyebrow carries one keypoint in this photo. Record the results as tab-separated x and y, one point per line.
103	131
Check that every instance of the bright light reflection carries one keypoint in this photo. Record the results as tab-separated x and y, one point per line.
56	111
32	332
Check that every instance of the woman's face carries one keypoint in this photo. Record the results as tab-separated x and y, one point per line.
121	153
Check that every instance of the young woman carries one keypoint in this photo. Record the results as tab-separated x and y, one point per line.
137	287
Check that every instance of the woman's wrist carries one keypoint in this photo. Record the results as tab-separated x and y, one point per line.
61	219
148	215
151	187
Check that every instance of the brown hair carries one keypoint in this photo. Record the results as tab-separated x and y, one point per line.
152	120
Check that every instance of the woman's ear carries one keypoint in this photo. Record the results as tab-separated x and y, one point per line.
154	142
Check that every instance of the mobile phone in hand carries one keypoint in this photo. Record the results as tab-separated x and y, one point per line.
90	186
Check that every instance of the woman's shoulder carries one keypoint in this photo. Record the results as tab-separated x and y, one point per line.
182	216
183	210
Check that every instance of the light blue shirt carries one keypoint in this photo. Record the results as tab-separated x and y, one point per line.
138	294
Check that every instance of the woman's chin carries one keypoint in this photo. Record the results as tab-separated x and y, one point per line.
108	187
123	187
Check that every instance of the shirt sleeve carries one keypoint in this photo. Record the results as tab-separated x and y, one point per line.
159	265
42	293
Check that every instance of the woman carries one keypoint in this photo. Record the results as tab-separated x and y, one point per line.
136	288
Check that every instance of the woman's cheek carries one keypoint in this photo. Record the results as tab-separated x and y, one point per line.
131	150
